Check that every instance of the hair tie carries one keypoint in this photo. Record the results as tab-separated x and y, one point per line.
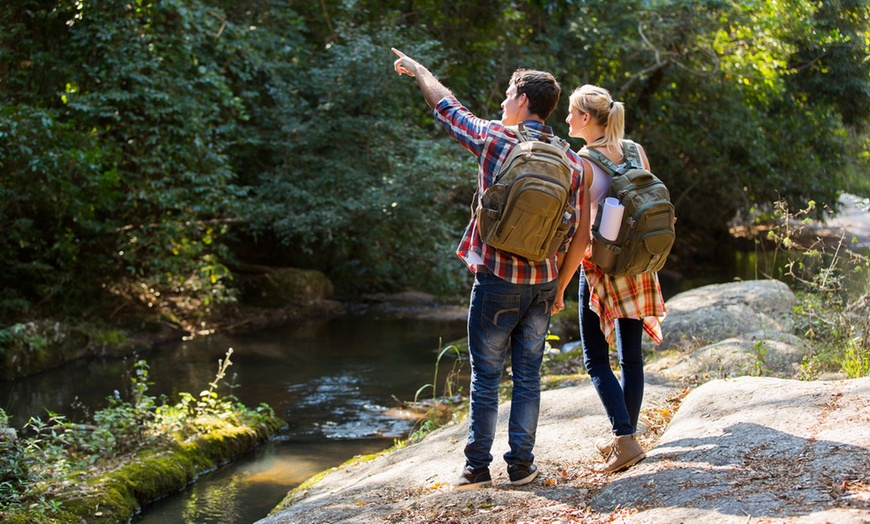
611	104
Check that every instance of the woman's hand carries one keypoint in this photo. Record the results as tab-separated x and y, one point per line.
559	303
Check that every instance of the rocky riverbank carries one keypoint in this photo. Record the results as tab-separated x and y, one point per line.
738	448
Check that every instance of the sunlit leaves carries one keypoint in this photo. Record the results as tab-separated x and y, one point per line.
135	134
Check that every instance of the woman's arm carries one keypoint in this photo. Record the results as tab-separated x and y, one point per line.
571	260
643	157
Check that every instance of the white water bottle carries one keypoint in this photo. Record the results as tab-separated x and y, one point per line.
611	218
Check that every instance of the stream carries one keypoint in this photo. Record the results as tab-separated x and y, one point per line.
333	381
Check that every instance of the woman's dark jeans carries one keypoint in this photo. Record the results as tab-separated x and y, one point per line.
621	398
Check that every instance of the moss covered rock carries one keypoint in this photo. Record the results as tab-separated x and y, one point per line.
28	348
278	287
116	493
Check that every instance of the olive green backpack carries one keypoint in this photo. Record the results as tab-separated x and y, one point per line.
647	232
526	211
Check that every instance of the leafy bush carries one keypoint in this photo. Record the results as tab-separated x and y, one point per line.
360	192
833	311
138	140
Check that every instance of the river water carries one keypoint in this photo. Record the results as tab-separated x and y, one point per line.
334	381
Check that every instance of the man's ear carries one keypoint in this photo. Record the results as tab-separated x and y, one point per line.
523	100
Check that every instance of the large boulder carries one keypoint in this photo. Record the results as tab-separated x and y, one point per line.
31	347
717	312
760	353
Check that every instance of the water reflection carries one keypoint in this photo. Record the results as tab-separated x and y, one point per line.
336	382
353	415
248	489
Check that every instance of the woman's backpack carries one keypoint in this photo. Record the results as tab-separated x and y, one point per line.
646	234
526	210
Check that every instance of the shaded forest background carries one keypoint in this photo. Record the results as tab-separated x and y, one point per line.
148	148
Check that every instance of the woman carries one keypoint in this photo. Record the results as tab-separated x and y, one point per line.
613	310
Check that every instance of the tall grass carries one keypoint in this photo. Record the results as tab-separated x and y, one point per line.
832	281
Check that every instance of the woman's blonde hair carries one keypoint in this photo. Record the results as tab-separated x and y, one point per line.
598	104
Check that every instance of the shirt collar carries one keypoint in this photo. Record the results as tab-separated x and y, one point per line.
538	126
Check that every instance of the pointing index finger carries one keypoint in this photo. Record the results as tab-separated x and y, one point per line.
397	52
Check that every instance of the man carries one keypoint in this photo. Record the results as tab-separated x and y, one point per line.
512	297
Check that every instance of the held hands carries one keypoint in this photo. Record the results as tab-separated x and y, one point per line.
558	303
404	65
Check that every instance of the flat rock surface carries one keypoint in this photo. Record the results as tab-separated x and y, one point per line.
756	448
738	450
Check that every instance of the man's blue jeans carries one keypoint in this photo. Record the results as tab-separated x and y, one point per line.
621	398
501	316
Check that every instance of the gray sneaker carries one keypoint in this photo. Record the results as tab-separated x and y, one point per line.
473	479
522	474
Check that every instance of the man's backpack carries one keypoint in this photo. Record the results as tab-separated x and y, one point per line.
526	211
646	233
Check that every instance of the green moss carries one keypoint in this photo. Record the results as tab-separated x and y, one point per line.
557	381
166	467
110	337
22	518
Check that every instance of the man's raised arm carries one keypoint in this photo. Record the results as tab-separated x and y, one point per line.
433	90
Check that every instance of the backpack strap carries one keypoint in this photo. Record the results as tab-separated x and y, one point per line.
521	133
629	150
598	158
632	154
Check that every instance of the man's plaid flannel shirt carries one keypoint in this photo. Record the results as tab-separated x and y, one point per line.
491	142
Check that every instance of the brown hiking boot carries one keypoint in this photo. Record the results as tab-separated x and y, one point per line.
624	452
603	446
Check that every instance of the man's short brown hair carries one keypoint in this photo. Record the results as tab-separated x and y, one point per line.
540	87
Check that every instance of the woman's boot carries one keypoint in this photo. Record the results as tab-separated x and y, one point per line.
603	446
625	452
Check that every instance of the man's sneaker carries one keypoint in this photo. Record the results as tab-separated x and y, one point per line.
473	478
522	474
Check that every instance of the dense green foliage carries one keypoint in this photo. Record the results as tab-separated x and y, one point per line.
145	146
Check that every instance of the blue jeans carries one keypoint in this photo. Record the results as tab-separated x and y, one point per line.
621	398
503	315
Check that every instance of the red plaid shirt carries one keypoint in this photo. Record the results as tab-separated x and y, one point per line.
629	296
491	142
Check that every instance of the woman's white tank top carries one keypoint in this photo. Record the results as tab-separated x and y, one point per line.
599	190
